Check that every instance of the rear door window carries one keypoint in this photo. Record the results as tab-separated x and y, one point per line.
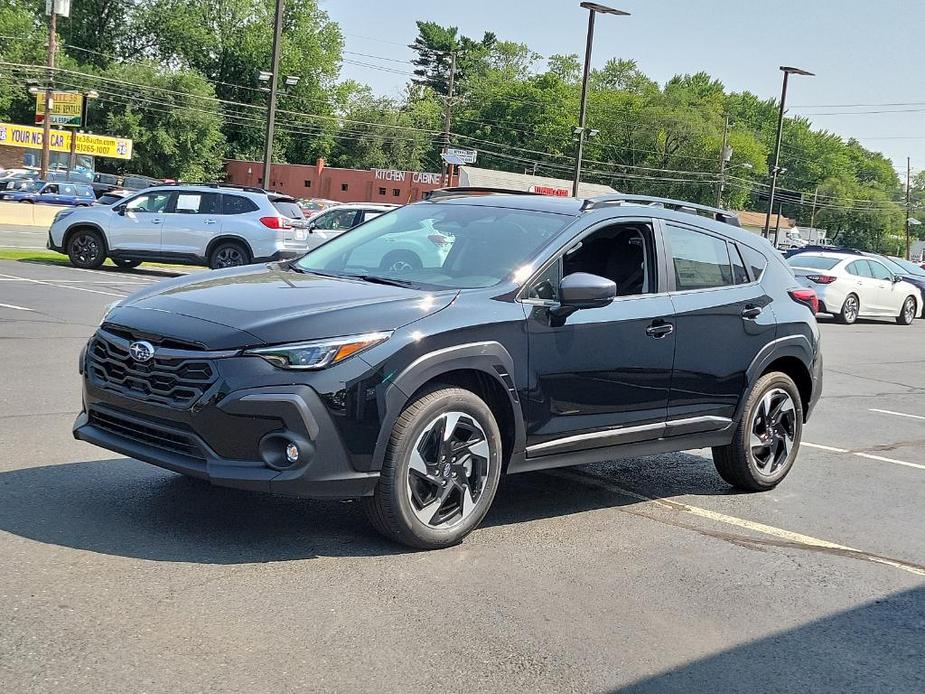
700	261
859	268
197	203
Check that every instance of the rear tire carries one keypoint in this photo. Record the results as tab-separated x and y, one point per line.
440	472
126	263
849	310
767	438
228	254
908	311
86	249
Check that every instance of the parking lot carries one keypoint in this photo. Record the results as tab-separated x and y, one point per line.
629	576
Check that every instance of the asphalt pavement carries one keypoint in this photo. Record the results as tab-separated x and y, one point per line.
644	575
22	236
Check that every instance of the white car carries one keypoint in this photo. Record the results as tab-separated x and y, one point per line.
218	225
334	221
852	286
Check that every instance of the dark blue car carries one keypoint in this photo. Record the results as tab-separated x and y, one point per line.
55	193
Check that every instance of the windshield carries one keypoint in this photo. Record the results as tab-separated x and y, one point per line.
815	262
904	267
439	245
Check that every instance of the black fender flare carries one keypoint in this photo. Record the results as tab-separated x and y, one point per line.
798	346
490	358
82	225
228	237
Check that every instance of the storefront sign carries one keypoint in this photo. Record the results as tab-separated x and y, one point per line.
424	177
96	145
549	190
66	108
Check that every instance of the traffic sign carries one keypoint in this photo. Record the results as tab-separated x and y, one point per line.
466	156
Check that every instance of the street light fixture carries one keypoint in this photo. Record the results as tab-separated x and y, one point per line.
787	70
593	10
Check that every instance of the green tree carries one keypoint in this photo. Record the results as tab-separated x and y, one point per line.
434	46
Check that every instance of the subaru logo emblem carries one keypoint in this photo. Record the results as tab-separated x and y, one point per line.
141	351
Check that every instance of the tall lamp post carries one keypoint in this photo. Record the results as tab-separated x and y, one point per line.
593	9
780	131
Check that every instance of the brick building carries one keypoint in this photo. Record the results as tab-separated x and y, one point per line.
332	183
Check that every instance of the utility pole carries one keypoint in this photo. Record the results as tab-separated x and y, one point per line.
274	83
908	203
447	169
49	88
812	217
723	158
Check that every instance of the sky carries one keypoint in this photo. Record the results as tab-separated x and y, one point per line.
867	54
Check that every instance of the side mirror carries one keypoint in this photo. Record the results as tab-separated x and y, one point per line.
897	279
120	210
582	290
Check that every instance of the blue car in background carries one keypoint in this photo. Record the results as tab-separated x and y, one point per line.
51	193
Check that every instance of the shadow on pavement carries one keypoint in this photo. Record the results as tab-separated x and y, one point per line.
141	271
128	508
877	647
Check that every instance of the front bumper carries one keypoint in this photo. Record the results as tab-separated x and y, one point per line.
232	438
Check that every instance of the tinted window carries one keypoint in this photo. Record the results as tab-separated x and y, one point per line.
108	199
197	203
623	253
860	268
879	271
453	246
904	267
739	273
288	208
85	191
813	262
237	204
700	261
50	189
68	190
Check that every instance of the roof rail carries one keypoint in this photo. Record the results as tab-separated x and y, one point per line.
716	213
456	191
214	184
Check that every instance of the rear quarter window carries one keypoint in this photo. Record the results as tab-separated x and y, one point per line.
288	208
756	260
237	204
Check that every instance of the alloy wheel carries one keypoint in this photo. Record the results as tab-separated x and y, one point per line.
851	309
400	266
229	257
85	248
448	470
773	431
909	310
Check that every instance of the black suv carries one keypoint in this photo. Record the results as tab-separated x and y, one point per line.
535	332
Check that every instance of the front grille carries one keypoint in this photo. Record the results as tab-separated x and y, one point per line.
174	381
148	433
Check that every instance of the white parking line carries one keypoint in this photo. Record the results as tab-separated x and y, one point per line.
59	286
17	279
869	456
770	530
898	414
16	308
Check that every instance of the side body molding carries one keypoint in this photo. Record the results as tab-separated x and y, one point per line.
489	358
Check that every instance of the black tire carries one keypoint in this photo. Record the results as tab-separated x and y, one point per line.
908	312
229	254
401	261
737	463
850	310
126	263
390	510
86	249
28	202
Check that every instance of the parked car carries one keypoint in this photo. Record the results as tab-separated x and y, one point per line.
76	194
16	178
312	206
332	222
556	331
910	272
851	286
204	224
113	196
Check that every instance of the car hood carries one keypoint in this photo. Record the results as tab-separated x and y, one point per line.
268	304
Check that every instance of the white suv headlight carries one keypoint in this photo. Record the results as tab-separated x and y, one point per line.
319	353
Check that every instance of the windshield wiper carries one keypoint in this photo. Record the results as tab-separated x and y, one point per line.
376	279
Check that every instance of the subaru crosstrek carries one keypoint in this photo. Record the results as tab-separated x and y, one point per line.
217	225
554	331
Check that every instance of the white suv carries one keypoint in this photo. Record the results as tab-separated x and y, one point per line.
334	221
197	224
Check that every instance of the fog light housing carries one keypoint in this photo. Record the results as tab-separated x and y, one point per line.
285	450
292	453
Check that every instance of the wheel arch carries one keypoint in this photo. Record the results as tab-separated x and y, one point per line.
794	356
229	237
77	226
485	368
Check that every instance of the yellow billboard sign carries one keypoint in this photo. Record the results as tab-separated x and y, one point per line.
66	108
97	145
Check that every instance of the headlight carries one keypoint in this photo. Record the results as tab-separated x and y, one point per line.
319	353
109	309
62	214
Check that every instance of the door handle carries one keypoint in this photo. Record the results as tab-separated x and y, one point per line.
210	221
659	329
156	221
751	312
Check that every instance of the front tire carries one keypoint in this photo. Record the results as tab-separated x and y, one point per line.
849	310
767	438
86	249
440	472
908	312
